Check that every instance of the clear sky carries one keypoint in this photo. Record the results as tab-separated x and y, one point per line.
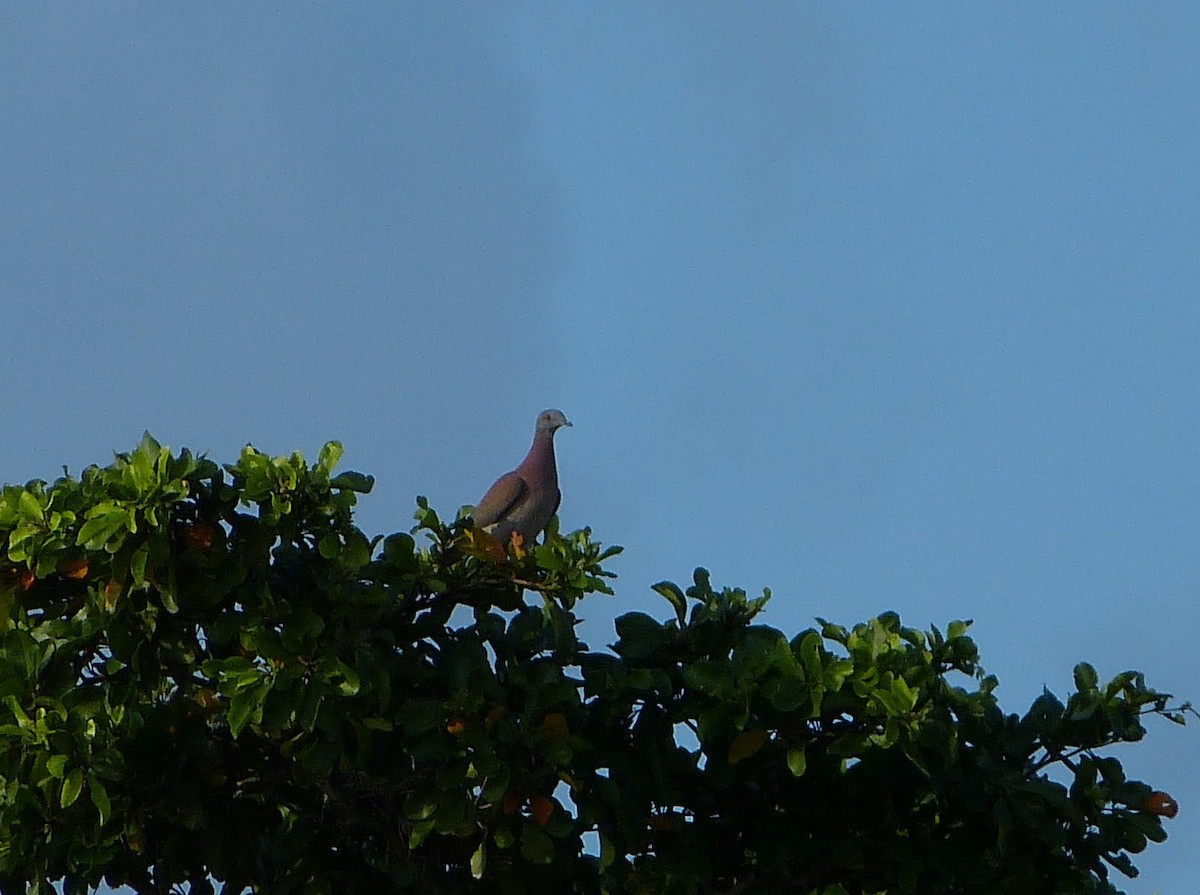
883	307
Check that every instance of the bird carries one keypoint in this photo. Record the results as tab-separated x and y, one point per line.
524	501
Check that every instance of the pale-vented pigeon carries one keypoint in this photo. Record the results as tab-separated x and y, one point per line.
525	499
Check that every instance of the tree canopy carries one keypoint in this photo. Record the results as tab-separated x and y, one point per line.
210	678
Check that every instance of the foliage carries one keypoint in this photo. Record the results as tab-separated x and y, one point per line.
210	677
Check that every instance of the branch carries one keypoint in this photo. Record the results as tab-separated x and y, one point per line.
1053	757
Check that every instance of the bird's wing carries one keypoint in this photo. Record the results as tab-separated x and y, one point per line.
506	492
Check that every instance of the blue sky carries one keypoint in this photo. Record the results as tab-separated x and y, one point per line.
881	309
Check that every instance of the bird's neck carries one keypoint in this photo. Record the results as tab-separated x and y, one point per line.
541	455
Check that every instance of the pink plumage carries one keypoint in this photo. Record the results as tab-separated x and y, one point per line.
525	499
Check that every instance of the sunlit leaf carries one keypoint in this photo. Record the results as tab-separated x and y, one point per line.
675	597
479	860
99	798
797	761
71	787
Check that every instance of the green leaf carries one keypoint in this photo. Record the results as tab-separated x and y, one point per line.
536	846
99	530
301	629
710	678
504	837
1085	677
137	564
1110	769
353	481
675	597
896	696
99	798
420	831
349	684
957	629
330	456
398	549
608	851
240	709
420	806
141	465
30	508
640	635
797	761
479	860
167	595
246	706
810	655
56	765
14	706
746	744
1083	706
357	552
330	545
71	788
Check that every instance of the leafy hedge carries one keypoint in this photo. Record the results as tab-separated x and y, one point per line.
209	677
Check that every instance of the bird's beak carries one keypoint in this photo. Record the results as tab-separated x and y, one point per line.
568	423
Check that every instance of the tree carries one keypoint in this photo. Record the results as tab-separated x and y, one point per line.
209	677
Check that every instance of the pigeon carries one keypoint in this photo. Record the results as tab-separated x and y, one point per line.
523	501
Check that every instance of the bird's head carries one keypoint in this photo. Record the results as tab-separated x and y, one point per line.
549	420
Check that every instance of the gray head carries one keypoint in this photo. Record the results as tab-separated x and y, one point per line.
549	420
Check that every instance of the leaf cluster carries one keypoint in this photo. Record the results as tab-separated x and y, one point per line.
210	677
